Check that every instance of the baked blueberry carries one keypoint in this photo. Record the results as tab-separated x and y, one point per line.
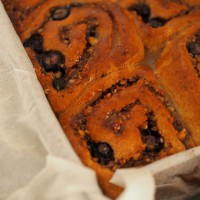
151	137
59	83
102	151
153	140
141	9
194	48
35	42
91	31
60	13
156	22
52	60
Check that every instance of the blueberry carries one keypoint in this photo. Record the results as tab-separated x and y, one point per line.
152	138
156	22
102	151
35	42
141	9
60	13
91	31
52	60
151	142
59	83
194	48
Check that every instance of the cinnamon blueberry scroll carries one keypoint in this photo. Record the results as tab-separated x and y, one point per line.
123	120
178	68
73	44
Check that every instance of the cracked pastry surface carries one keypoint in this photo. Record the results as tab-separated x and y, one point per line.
122	76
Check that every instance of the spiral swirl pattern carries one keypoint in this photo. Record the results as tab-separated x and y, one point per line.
82	43
124	120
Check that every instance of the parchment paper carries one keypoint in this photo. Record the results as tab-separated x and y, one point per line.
36	159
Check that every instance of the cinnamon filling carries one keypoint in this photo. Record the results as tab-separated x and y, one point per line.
150	135
193	47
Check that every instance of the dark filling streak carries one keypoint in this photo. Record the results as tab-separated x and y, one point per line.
177	124
193	47
112	122
79	123
127	108
151	137
190	7
73	72
114	37
64	35
143	160
80	119
110	90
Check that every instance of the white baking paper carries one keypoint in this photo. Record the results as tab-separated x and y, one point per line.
37	161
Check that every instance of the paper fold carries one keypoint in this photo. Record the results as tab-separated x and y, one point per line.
138	183
61	179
